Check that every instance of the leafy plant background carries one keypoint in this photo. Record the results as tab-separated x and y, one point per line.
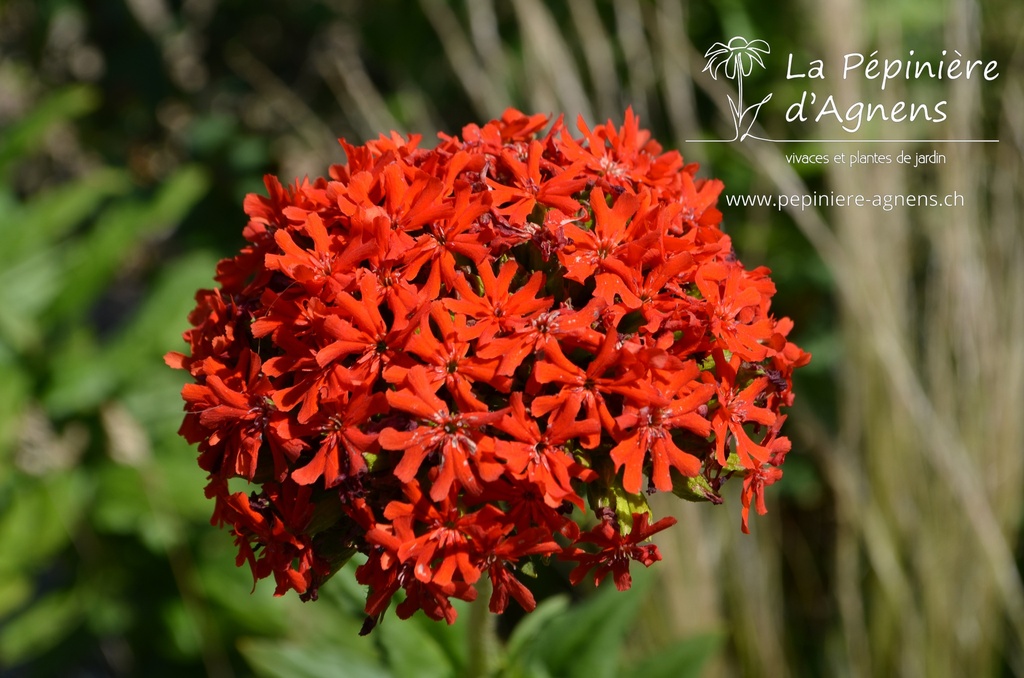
130	130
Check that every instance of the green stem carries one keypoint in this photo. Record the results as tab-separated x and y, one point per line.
483	635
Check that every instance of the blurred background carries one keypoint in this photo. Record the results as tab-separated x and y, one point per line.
130	131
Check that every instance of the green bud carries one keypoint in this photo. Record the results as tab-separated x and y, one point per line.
375	462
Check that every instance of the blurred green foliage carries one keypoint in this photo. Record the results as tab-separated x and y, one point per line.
94	489
130	130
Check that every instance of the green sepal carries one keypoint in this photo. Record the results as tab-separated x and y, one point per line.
733	465
607	492
694	489
626	505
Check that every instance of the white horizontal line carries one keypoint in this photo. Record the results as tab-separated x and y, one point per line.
851	141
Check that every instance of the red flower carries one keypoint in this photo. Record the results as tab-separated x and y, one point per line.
527	506
531	187
622	157
736	407
617	549
455	437
275	521
497	311
649	424
612	230
541	334
735	311
542	458
384	581
442	538
501	550
322	267
651	294
755	480
445	240
233	417
450	360
585	388
363	333
432	356
342	438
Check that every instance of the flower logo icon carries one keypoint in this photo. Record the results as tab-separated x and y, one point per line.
736	59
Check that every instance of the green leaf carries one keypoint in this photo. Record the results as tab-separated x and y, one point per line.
86	375
160	530
685	659
452	639
248	154
733	464
38	521
230	590
801	481
15	388
39	628
607	492
157	326
209	132
126	503
185	636
80	382
27	134
411	650
302	660
25	290
107	611
122	501
91	262
612	619
529	629
50	215
14	591
179	480
587	641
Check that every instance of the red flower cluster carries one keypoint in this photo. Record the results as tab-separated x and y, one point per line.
434	356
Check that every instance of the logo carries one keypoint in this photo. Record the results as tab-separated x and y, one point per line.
736	60
838	121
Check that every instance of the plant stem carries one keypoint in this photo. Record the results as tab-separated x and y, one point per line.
483	637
